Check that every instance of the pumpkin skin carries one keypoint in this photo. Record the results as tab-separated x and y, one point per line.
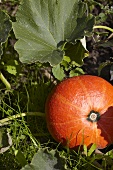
79	111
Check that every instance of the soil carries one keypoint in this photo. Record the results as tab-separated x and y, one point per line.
97	56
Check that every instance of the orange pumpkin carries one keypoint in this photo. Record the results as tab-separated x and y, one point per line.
80	111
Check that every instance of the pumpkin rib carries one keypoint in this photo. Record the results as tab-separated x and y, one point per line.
66	101
103	97
94	133
84	90
63	123
72	127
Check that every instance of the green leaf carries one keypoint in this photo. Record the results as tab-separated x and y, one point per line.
66	63
85	149
11	69
67	59
92	149
1	52
20	157
76	72
58	72
12	66
102	17
5	27
5	140
76	52
43	26
81	10
43	160
84	27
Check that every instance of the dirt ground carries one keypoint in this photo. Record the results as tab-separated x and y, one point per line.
96	57
98	54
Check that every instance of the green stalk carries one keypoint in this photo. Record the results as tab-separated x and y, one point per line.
6	121
4	80
103	27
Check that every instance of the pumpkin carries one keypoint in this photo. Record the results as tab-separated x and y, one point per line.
79	111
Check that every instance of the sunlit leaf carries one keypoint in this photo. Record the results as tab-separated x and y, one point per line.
11	69
92	149
58	72
85	149
76	72
12	66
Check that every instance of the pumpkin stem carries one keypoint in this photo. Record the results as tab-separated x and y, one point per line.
93	116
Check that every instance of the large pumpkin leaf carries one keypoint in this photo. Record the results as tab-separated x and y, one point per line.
5	27
44	160
84	27
43	25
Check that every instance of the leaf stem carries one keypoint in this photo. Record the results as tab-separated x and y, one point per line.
5	121
103	27
4	80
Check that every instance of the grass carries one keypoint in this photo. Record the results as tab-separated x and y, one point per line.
26	129
22	138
